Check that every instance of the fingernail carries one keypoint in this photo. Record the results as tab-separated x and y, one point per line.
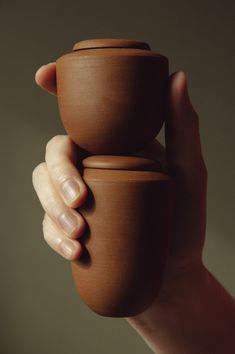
67	248
70	189
68	221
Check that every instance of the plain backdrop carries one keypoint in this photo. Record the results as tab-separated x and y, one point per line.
41	312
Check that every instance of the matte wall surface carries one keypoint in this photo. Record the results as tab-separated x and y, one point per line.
40	310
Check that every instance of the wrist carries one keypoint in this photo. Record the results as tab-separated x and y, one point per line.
195	316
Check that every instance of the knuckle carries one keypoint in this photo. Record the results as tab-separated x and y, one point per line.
50	206
46	236
45	228
56	141
57	170
37	170
44	221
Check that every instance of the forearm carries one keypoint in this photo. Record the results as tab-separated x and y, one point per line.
199	320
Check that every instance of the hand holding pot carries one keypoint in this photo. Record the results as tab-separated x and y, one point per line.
182	317
184	159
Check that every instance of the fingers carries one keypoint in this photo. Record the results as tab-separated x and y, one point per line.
183	144
60	159
55	238
64	217
60	189
186	164
45	77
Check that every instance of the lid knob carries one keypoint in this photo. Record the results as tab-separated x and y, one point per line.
110	43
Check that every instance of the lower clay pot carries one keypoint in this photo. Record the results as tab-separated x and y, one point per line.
129	217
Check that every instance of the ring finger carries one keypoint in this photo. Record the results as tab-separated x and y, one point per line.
56	239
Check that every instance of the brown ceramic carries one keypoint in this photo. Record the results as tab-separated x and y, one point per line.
129	217
112	94
112	97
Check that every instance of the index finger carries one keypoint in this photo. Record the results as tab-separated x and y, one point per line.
45	77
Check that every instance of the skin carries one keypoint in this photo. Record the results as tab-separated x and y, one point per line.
193	313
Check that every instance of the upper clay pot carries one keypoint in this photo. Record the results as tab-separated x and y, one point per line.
112	94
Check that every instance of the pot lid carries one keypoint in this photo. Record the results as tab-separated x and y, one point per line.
131	163
110	43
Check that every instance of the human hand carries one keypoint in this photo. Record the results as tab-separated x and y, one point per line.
184	162
59	186
188	292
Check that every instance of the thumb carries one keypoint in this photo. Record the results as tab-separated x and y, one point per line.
45	77
183	146
185	163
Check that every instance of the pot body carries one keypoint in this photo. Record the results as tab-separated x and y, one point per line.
129	217
112	100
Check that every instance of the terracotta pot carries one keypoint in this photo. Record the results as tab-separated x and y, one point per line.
129	217
112	94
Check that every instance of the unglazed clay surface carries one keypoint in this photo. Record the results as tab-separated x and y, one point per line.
112	100
112	96
128	213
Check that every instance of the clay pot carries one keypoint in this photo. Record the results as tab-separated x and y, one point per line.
129	217
112	97
112	94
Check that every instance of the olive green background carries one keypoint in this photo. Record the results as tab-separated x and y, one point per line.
40	310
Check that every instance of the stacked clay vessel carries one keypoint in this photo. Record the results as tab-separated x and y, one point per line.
112	97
